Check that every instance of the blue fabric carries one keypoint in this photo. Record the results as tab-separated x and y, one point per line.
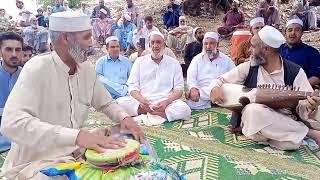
7	81
114	75
171	19
41	21
125	38
56	9
305	56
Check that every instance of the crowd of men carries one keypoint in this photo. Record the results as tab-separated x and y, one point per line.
44	101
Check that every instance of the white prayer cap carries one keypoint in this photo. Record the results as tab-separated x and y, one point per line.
212	35
294	21
127	17
236	1
111	38
182	17
69	21
271	36
156	33
256	20
103	11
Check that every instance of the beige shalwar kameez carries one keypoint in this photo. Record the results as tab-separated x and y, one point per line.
278	128
45	110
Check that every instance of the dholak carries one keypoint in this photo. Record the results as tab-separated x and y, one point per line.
115	157
236	39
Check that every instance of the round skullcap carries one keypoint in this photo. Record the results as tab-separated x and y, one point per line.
271	36
111	38
256	20
69	21
157	33
212	35
294	21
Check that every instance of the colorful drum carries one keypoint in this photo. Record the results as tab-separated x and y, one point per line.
115	157
236	39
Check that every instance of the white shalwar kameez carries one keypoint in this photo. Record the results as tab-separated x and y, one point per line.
278	128
156	82
45	111
200	74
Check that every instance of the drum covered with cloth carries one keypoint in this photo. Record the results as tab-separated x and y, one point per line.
134	161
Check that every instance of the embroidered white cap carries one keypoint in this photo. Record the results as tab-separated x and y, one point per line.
294	21
153	33
271	36
111	38
256	20
212	35
69	21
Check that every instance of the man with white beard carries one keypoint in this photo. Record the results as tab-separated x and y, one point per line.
50	102
205	67
279	128
156	85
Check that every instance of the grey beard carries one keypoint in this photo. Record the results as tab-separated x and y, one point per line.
77	53
157	55
257	60
211	54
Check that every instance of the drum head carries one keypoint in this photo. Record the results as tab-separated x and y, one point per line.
112	156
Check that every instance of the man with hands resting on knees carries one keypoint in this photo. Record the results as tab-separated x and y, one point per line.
156	84
44	124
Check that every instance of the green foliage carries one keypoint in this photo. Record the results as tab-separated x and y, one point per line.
72	3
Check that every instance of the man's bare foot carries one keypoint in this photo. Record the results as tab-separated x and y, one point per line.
315	135
235	130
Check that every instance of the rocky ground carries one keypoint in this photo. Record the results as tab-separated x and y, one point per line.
210	23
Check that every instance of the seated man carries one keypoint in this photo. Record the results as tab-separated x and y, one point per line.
36	36
102	27
277	127
171	15
143	32
27	54
268	9
43	114
234	19
306	13
113	69
244	52
192	49
66	5
124	32
96	10
85	9
156	85
206	66
24	15
58	7
300	53
11	53
133	11
180	36
41	18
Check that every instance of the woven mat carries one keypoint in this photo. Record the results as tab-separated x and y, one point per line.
203	148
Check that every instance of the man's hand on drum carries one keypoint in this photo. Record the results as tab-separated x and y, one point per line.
216	95
194	94
129	124
98	142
